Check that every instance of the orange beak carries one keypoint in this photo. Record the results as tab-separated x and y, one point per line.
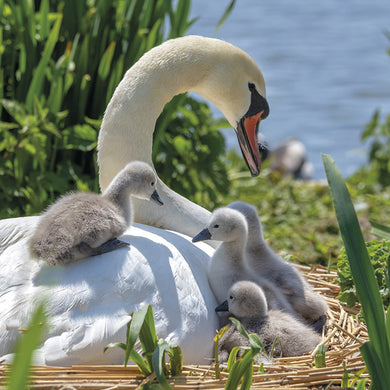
248	128
247	132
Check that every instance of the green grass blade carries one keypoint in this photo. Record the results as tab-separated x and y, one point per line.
362	271
146	13
44	19
137	321
115	345
159	363
319	359
361	385
225	15
105	63
175	360
142	364
256	343
147	334
378	373
20	368
181	16
380	230
36	85
388	324
379	199
56	94
216	344
232	358
247	377
239	327
239	370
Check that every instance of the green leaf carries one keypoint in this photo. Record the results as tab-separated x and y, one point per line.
79	137
247	377
20	369
44	19
320	356
148	335
36	85
256	343
241	368
216	343
15	109
175	360
159	362
361	267
136	324
362	384
232	358
105	63
388	324
225	15
378	373
142	364
239	327
115	345
380	230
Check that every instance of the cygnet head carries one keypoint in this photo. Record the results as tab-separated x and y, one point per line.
245	299
251	216
137	178
225	225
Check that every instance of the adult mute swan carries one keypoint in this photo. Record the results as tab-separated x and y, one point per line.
215	69
88	302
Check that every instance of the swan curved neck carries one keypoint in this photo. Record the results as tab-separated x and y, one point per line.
127	130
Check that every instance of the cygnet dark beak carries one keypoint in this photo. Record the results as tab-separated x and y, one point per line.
224	306
155	197
203	235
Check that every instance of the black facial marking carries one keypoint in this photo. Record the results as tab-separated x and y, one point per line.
258	103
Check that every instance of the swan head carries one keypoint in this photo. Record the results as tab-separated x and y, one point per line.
225	225
245	299
139	178
234	83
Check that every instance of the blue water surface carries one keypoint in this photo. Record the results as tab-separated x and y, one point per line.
325	64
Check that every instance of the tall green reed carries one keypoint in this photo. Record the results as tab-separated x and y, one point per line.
376	352
20	371
60	63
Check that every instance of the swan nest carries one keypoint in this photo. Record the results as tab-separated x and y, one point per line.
343	337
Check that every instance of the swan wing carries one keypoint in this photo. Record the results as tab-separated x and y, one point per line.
88	302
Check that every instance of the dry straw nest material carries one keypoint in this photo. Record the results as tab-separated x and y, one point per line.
343	337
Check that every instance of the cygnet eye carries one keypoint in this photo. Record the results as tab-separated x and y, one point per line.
231	297
216	226
152	183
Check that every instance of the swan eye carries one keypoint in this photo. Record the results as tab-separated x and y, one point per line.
251	86
216	226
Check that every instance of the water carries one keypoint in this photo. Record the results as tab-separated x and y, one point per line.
325	65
